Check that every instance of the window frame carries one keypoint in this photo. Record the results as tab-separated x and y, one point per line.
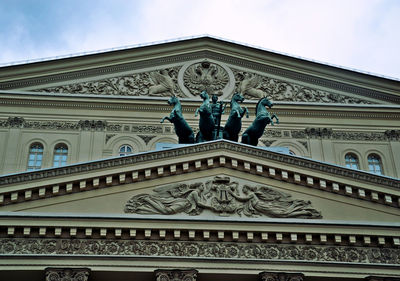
371	162
352	163
35	156
125	152
63	155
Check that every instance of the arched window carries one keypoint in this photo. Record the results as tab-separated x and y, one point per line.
125	150
351	161
60	155
375	164
35	157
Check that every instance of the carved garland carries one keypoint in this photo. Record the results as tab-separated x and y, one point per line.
200	250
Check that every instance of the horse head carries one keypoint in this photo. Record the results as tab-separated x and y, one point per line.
237	97
173	100
262	103
204	95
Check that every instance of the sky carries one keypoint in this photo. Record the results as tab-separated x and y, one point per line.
363	35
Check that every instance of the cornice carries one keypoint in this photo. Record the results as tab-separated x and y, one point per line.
24	99
14	192
196	55
200	148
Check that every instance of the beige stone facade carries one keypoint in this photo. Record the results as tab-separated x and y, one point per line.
208	211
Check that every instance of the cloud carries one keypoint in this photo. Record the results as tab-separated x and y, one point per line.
353	33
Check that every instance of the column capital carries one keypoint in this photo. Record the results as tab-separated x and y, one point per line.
176	275
280	276
67	274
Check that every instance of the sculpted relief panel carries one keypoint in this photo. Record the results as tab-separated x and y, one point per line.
192	78
221	196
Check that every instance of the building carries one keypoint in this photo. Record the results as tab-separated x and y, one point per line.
87	193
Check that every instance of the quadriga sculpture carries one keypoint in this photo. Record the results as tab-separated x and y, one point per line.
182	129
263	118
234	123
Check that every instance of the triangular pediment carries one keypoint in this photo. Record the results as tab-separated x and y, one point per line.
187	67
209	180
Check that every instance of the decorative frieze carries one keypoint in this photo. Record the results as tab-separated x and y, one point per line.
279	276
328	133
147	129
199	250
224	197
157	83
254	86
176	275
67	274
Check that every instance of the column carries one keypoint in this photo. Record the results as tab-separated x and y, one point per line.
280	276
175	275
67	274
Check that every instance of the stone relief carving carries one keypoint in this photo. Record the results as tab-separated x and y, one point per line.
205	76
190	80
157	83
146	138
254	86
164	85
67	274
176	275
388	135
318	132
221	196
147	129
98	125
272	276
200	249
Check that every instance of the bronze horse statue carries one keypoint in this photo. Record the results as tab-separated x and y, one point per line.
263	118
206	122
234	123
182	129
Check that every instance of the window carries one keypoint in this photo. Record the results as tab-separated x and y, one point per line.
351	161
60	155
375	164
125	150
35	157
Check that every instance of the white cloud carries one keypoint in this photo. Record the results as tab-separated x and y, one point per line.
353	33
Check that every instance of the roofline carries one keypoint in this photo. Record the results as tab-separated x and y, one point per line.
191	38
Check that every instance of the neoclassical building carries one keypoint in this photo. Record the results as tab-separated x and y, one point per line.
94	187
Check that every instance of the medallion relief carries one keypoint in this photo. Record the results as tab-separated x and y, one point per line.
223	197
206	76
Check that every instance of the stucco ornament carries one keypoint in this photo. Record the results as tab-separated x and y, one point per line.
176	275
221	196
67	274
205	76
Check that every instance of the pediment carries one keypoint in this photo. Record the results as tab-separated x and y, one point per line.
208	181
206	63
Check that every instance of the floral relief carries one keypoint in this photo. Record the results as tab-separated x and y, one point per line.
199	249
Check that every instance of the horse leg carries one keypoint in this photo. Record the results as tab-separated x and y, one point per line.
245	138
166	117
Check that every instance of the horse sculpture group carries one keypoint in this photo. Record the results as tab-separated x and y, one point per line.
210	117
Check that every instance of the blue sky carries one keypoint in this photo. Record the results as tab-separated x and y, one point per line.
358	34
